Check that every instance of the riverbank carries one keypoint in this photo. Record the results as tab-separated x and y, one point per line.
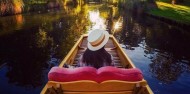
176	14
19	7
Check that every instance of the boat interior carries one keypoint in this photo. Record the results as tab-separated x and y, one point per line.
92	87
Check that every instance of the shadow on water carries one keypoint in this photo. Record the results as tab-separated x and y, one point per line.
24	58
33	43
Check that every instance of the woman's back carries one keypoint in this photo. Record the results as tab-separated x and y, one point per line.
95	54
96	59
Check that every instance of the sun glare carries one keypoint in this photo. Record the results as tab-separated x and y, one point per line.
94	16
97	21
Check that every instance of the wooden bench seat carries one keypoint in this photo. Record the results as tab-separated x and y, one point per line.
92	87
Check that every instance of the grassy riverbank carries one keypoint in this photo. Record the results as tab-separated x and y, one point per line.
178	13
12	7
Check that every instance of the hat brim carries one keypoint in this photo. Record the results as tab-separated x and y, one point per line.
92	48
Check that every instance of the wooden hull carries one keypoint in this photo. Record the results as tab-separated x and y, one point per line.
106	87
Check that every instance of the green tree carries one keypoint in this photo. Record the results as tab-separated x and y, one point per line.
8	7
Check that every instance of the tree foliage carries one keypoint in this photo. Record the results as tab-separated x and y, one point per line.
8	7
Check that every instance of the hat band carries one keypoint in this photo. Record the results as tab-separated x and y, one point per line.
99	42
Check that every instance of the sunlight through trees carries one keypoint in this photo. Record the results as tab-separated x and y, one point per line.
8	7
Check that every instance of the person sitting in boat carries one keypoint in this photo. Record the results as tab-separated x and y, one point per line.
95	55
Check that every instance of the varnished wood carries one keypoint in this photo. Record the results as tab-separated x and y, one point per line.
91	86
107	87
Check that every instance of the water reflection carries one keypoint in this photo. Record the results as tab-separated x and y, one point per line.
25	60
39	43
168	63
97	21
19	21
118	24
132	32
36	42
160	50
166	69
15	21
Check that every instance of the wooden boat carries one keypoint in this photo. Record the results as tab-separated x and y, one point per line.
91	87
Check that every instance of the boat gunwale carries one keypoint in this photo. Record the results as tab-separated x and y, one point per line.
71	51
76	47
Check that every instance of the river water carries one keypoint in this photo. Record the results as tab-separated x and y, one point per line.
32	43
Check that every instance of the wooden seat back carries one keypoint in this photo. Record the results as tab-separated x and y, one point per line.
108	86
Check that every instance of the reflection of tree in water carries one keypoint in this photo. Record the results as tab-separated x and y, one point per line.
66	31
64	36
26	60
166	69
132	31
169	39
157	39
133	37
29	50
171	52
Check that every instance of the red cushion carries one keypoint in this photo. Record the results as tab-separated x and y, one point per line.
66	74
98	75
113	73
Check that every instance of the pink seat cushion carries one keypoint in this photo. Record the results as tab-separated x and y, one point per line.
67	75
113	73
98	75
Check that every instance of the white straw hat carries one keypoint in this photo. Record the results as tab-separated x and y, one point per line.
97	39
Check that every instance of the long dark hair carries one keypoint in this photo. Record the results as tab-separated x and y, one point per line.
97	58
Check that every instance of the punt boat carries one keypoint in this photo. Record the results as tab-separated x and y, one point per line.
91	87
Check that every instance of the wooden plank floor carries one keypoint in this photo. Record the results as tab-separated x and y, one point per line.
108	46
